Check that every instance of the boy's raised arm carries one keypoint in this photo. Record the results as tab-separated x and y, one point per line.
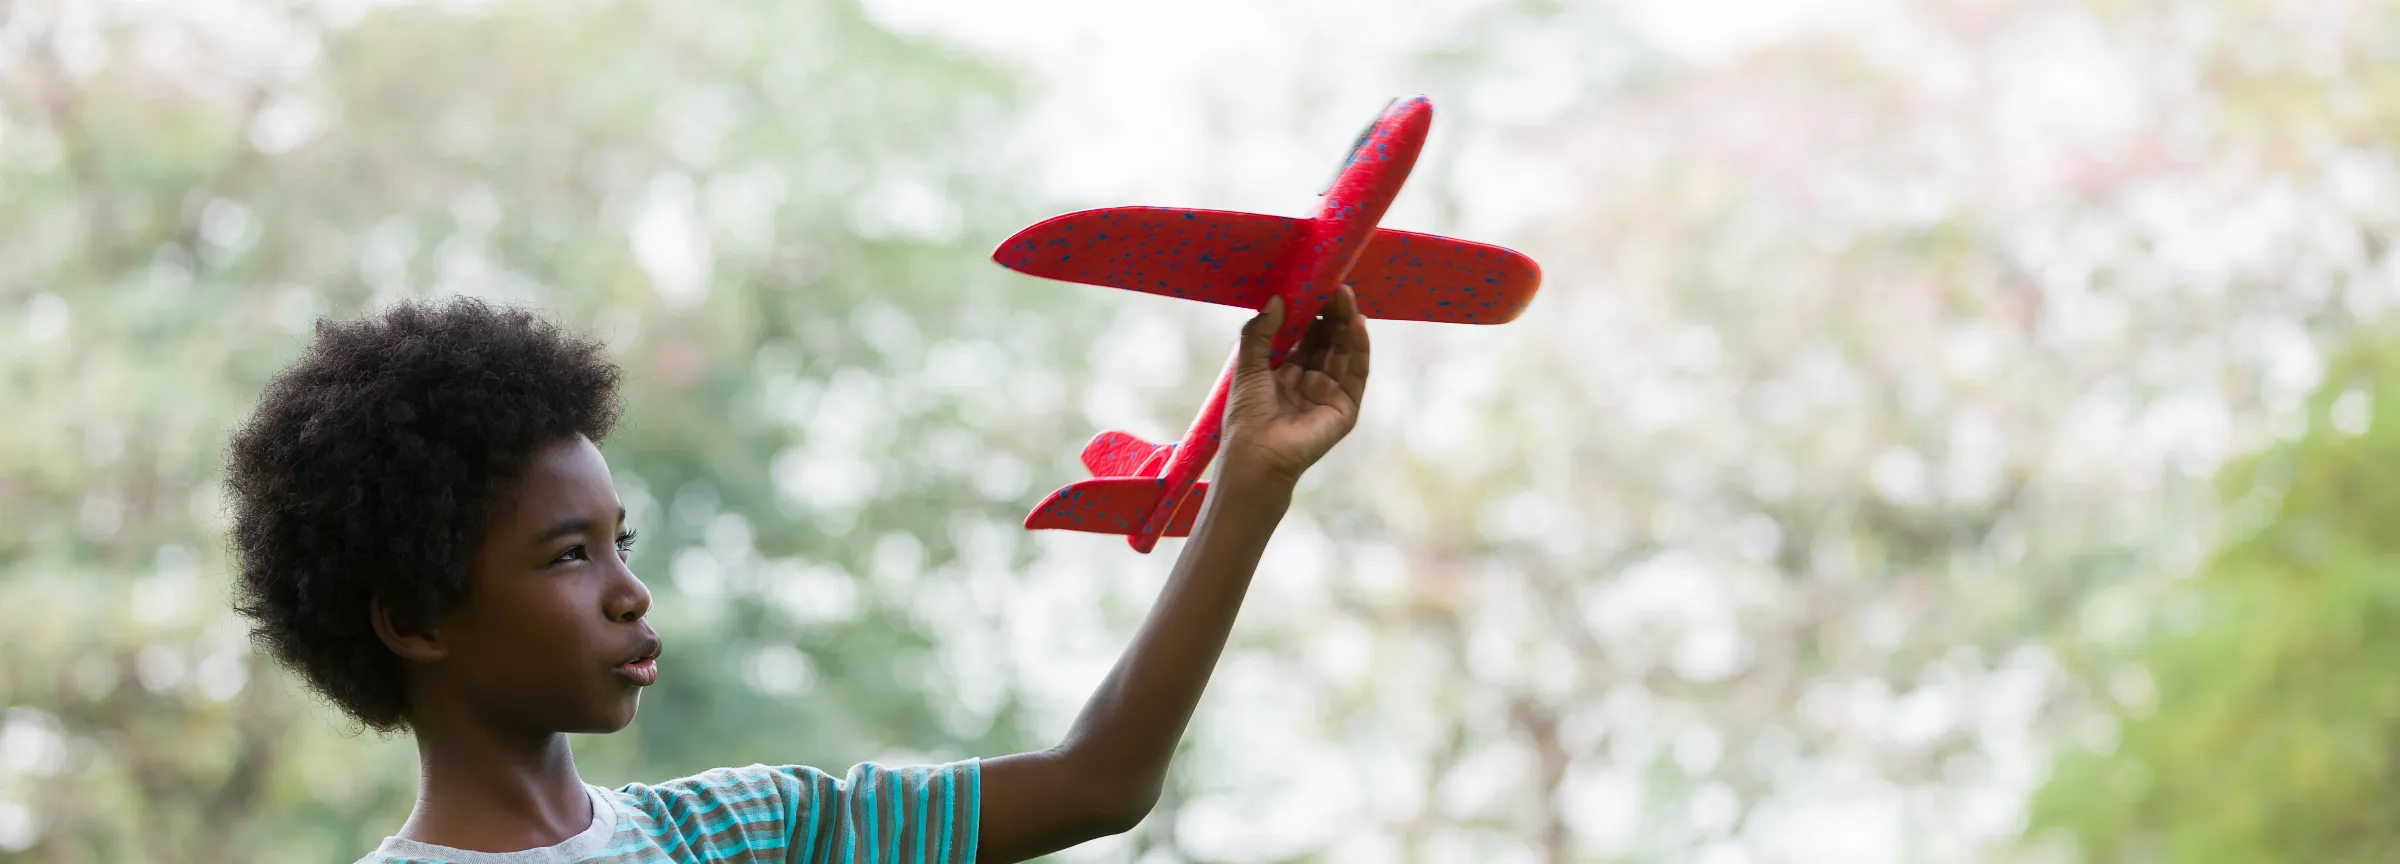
1104	778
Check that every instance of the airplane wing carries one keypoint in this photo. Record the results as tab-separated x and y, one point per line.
1117	454
1406	276
1219	256
1226	257
1113	505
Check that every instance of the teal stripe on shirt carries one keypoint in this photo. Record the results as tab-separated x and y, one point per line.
924	793
862	817
949	789
813	801
974	811
849	809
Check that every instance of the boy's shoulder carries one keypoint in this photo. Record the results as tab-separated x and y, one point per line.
760	813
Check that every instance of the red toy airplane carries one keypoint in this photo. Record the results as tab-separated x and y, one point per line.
1147	490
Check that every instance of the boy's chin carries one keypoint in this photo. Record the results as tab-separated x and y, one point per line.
622	716
611	718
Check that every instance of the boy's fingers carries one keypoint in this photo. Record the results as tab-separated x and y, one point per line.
1343	306
1350	345
1325	333
1259	334
1319	344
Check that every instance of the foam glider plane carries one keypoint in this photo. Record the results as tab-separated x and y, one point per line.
1146	490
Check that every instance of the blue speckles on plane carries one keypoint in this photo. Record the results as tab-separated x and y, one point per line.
1420	277
1162	251
1230	258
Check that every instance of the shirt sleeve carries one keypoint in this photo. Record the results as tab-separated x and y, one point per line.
879	815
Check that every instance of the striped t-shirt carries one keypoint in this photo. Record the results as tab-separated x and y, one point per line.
786	814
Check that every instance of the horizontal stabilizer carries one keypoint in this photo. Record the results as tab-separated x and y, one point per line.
1113	505
1117	454
1406	276
1219	256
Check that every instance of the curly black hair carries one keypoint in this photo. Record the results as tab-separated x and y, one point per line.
370	468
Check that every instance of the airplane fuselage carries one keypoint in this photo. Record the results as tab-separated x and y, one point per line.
1369	179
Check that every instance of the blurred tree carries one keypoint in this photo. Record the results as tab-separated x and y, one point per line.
775	213
2258	720
1869	406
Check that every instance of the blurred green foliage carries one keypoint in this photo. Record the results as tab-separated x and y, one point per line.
774	212
2258	721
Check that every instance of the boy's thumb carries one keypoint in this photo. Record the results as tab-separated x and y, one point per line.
1259	334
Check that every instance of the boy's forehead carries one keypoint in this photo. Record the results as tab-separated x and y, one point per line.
569	478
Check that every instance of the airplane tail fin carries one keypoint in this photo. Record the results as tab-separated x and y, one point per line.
1113	505
1118	454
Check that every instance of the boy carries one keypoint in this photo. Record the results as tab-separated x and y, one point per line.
428	536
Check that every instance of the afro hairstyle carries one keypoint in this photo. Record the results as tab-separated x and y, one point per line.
371	466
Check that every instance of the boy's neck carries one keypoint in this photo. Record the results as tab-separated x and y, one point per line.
484	790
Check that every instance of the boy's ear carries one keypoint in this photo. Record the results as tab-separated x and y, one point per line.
411	640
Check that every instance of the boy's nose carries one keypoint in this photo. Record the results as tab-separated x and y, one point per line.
628	599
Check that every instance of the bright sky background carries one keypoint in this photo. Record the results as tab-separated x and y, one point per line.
1126	89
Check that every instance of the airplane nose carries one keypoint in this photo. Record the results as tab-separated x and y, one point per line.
1409	119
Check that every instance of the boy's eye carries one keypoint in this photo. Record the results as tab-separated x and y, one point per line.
577	552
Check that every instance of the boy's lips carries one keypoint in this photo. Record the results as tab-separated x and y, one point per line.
642	673
642	668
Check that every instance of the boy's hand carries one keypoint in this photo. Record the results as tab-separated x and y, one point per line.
1280	421
1106	775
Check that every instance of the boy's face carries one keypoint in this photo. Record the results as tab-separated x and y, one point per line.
550	636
